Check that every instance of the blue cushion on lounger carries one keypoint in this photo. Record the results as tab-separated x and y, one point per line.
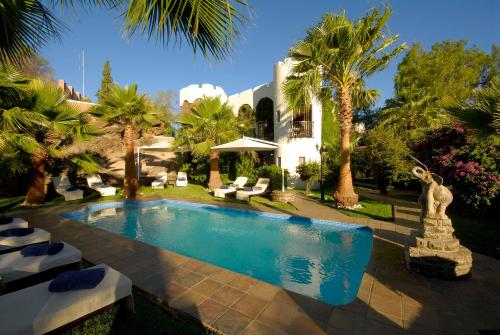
77	280
16	232
72	188
248	189
181	179
42	249
5	219
224	187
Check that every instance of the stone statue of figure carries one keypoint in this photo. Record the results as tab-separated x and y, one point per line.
435	197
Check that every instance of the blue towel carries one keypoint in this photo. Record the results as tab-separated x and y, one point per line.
248	189
224	187
16	232
77	280
181	179
5	219
42	249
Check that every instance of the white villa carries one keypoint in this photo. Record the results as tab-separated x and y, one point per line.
298	135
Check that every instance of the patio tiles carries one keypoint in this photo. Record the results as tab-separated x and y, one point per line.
250	306
258	328
207	287
227	295
189	279
210	310
232	322
264	291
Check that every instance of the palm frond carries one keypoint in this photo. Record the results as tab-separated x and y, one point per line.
210	26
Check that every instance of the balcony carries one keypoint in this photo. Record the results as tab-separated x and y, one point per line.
301	129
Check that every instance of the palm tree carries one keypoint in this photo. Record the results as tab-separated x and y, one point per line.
210	26
334	58
42	126
208	124
126	108
482	112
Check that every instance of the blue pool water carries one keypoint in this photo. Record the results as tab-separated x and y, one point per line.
321	259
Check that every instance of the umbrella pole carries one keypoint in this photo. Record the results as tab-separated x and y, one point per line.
138	163
282	179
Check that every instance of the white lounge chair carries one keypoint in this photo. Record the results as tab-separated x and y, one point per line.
182	179
259	188
15	268
36	310
238	183
16	223
64	188
160	181
14	243
95	182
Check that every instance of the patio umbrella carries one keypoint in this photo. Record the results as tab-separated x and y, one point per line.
251	144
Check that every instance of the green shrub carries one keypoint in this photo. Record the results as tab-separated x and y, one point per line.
246	167
273	172
310	173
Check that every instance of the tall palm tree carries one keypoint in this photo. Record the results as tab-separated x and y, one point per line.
208	124
210	26
126	108
42	126
334	58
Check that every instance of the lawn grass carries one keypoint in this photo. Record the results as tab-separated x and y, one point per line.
372	209
149	319
191	192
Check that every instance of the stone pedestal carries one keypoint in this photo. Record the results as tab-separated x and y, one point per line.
433	250
287	196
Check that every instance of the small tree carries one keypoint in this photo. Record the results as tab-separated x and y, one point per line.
309	172
106	83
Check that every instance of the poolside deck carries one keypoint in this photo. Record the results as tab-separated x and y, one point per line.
390	300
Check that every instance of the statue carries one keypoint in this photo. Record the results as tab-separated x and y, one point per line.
435	197
433	249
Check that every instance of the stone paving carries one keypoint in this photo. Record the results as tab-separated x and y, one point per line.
390	300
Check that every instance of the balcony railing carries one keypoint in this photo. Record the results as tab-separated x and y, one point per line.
301	129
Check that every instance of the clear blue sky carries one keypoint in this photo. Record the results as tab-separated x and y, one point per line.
275	26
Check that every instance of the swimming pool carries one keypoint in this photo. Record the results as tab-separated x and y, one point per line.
321	259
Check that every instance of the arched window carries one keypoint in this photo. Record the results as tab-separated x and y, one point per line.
264	118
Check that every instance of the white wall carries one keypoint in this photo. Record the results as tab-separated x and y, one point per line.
195	91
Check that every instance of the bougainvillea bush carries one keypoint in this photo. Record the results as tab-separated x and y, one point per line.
470	167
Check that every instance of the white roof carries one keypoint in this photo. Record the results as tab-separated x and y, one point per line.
247	144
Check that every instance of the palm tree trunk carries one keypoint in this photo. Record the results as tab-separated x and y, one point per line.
130	182
344	195
214	180
36	188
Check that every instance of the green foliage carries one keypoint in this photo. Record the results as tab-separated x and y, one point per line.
330	126
27	25
246	118
386	158
208	124
210	26
125	106
273	172
481	113
339	53
246	167
309	172
106	83
264	113
427	83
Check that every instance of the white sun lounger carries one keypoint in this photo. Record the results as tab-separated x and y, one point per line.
238	183
160	181
62	184
16	223
182	179
13	243
259	188
36	310
14	266
95	182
